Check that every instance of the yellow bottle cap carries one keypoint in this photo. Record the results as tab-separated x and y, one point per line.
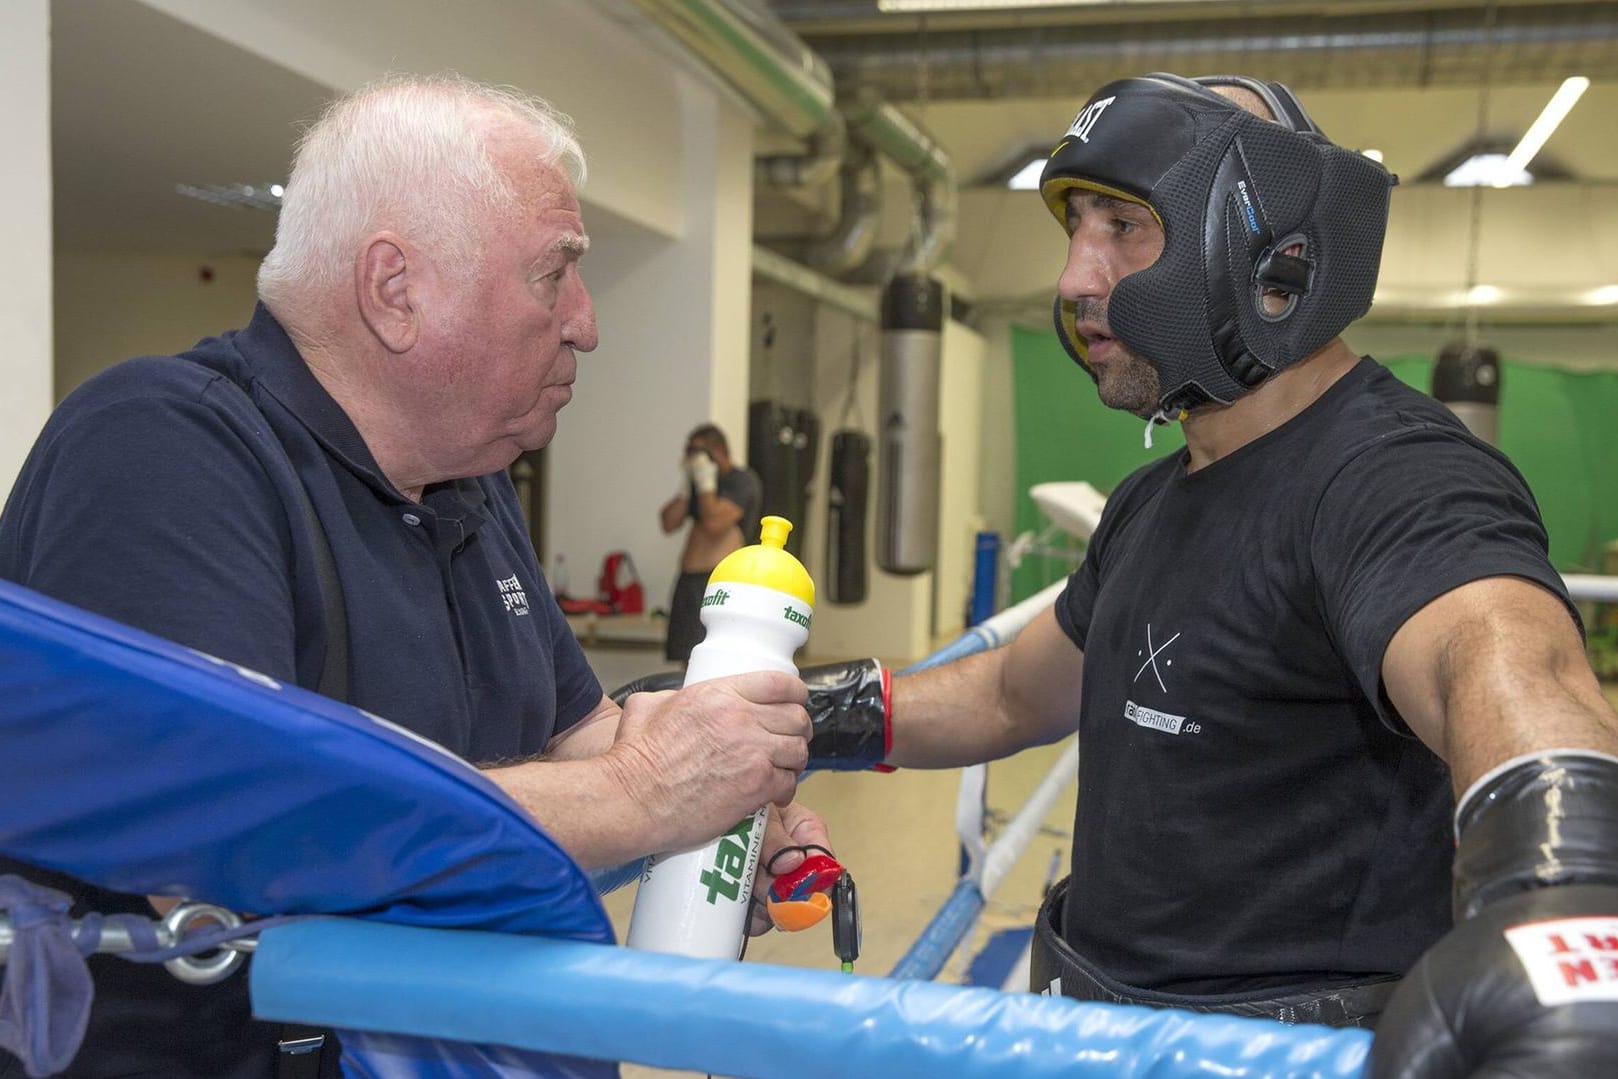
768	564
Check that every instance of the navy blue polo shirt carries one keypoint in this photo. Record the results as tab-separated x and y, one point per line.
164	493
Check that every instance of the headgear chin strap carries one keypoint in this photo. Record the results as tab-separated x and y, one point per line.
1233	192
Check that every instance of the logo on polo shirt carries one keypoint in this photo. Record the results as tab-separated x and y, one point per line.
516	599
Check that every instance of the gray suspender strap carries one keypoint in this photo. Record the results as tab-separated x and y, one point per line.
303	1048
334	665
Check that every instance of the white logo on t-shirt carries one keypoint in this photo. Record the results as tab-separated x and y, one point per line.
516	599
1151	652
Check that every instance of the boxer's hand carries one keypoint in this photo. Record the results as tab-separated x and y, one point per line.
1526	984
850	709
700	759
704	473
1528	987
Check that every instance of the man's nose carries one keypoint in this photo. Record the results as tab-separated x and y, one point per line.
579	322
1086	274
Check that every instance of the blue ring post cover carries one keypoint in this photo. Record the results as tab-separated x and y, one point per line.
147	768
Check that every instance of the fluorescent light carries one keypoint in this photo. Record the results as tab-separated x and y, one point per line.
1480	169
1482	294
1606	294
237	196
1561	103
1374	155
979	5
1027	177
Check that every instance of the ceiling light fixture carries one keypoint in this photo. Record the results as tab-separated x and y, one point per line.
1374	155
981	5
1027	177
1561	103
1486	169
236	196
1606	294
1481	294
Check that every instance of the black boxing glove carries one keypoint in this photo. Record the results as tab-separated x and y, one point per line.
848	710
1526	984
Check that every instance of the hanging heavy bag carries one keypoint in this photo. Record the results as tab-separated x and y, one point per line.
805	454
769	453
847	494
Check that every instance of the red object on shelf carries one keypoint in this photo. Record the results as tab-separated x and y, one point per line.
620	590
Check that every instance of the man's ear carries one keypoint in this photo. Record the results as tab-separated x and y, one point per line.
382	275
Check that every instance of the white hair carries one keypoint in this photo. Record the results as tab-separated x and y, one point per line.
408	153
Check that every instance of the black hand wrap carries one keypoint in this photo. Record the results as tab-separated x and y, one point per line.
1547	821
1537	859
848	708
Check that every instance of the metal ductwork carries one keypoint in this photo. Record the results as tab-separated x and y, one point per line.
757	54
791	85
884	127
848	245
1415	44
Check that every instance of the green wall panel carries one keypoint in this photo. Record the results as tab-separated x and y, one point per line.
1557	426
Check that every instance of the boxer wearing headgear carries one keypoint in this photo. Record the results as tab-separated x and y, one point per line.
1292	644
1252	210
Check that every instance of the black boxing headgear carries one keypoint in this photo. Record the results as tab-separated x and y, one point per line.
1233	192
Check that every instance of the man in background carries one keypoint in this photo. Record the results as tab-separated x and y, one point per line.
722	501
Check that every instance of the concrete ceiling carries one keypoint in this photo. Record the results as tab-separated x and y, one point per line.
140	103
1407	78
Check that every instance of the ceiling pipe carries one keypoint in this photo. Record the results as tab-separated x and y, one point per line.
849	243
1419	47
758	55
791	85
884	127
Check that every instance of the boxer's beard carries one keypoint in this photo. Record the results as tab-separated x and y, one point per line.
1125	381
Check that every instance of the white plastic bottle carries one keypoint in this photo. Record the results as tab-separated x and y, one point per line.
757	609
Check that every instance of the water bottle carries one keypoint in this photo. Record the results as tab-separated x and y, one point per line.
756	609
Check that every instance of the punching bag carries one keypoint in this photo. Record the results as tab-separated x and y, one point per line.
782	445
1467	379
910	449
847	488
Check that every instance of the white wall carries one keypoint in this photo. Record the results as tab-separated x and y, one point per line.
619	90
673	354
25	221
114	305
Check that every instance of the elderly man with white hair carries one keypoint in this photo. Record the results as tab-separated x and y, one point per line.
321	497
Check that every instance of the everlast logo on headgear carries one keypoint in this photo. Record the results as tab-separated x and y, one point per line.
1087	119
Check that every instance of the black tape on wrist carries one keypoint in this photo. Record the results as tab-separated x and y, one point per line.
848	709
1550	820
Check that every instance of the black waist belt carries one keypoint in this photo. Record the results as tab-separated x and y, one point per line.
1057	968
